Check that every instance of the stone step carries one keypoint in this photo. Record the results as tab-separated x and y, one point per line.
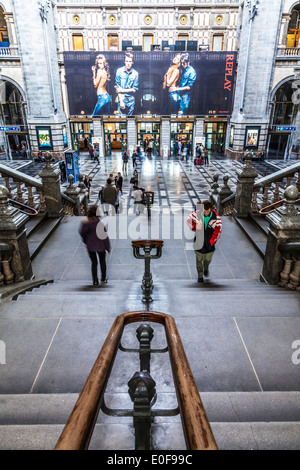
34	409
255	235
34	223
239	421
114	437
40	235
111	305
239	287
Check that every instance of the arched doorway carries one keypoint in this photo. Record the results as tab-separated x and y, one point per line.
283	117
14	138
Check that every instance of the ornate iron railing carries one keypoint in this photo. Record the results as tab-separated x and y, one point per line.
78	430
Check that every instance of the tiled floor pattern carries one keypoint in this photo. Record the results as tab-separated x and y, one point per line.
174	182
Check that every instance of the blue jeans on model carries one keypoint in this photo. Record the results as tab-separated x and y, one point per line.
174	100
103	104
129	102
184	103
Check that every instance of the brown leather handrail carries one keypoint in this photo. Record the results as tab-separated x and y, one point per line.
271	208
79	428
23	208
143	243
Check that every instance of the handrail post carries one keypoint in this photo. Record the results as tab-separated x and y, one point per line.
148	200
13	231
147	246
284	229
6	254
73	193
244	189
51	183
142	391
145	335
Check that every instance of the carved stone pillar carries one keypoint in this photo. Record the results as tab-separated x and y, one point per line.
12	231
284	230
244	190
51	183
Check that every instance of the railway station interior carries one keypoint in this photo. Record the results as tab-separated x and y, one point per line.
171	128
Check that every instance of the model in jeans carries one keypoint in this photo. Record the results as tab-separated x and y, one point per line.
187	81
127	84
95	237
101	76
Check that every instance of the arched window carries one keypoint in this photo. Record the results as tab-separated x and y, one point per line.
294	28
4	39
11	106
284	107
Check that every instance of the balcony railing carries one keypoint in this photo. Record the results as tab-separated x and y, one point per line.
9	52
284	52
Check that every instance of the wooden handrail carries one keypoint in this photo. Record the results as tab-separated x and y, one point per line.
79	428
23	208
272	207
143	243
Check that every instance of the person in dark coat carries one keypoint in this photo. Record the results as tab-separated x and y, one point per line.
95	237
109	195
119	181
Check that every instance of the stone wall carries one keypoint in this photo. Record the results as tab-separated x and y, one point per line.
254	79
38	54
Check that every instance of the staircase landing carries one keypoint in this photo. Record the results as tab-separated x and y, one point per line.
238	334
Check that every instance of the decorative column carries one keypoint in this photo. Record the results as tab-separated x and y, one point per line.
284	231
51	183
73	193
131	135
99	138
13	231
165	137
244	189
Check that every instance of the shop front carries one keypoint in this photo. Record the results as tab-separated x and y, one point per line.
181	132
148	137
115	137
215	136
81	134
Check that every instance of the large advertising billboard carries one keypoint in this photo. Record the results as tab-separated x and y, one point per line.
160	83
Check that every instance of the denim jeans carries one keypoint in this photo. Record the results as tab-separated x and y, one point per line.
129	102
103	104
174	100
184	103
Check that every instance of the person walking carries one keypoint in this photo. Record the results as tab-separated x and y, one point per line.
109	195
134	157
135	178
125	159
205	154
211	223
88	184
119	181
91	152
95	237
138	197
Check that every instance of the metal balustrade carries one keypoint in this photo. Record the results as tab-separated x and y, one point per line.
79	428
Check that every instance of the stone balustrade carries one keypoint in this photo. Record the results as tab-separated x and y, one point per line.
44	194
24	189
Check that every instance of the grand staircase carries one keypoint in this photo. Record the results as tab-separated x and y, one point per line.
251	413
